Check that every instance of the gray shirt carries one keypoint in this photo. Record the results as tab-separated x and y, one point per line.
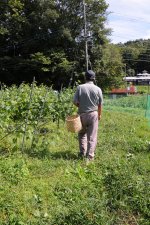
88	96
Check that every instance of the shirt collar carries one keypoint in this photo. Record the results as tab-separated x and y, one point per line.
89	82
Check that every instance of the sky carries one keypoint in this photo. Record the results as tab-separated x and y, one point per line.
129	20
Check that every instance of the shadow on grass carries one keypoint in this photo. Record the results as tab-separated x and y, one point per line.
4	152
66	155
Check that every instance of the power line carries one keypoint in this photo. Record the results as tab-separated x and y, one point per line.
135	19
137	60
140	48
140	54
131	36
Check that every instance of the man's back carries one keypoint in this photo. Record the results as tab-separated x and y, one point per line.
89	96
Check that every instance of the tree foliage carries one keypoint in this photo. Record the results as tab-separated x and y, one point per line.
136	56
45	39
110	68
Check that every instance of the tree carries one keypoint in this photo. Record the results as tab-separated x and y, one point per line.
136	56
110	70
34	31
144	59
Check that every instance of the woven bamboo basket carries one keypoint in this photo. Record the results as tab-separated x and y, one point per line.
73	123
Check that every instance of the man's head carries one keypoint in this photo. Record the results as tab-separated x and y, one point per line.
90	75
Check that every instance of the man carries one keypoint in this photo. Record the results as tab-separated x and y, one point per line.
88	98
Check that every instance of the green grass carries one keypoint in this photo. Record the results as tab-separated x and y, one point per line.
44	182
50	185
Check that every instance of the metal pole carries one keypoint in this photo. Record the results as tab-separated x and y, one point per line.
27	117
39	117
85	35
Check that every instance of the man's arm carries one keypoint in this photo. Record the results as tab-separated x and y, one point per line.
99	111
76	98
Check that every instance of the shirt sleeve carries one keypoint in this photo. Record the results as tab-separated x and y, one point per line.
76	96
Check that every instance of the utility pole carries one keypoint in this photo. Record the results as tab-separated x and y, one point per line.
85	36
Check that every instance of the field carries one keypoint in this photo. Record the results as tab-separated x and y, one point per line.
42	181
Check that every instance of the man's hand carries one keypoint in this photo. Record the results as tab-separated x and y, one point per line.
76	104
99	117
